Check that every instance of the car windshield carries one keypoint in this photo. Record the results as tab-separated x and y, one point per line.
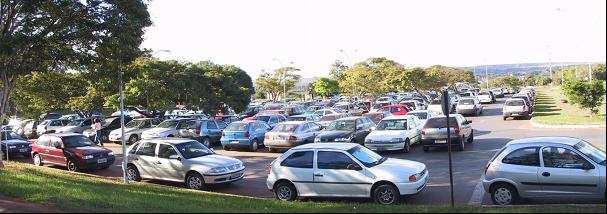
466	102
400	124
9	135
440	122
420	115
237	127
75	122
366	156
591	151
297	119
134	123
76	141
285	127
341	125
168	124
515	103
193	149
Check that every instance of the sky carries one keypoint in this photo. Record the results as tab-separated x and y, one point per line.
262	35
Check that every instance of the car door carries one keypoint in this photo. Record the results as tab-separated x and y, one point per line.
169	163
522	165
338	175
213	130
146	160
55	151
298	168
413	129
465	127
566	173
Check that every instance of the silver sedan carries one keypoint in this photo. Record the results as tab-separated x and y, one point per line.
290	134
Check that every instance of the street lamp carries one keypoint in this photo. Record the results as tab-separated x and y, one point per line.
284	76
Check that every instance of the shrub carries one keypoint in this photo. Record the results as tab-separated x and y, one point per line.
588	95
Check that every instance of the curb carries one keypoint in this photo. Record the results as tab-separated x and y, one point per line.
546	126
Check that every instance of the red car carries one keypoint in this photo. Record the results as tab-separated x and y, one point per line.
74	151
397	109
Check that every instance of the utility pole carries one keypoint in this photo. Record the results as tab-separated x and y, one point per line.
486	78
124	153
590	72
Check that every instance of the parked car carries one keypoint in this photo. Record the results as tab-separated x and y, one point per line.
12	144
516	107
469	106
29	129
76	126
294	110
326	111
498	92
551	168
413	104
527	101
244	134
270	119
70	117
108	125
20	127
434	133
51	125
486	97
184	128
347	130
133	130
397	109
422	115
290	134
344	170
181	160
210	131
49	116
72	150
395	133
377	115
349	108
325	120
435	106
304	117
227	119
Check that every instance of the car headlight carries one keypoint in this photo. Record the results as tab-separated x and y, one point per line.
12	147
110	154
217	170
396	140
86	157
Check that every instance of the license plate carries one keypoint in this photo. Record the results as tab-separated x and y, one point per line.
22	150
440	141
234	142
102	160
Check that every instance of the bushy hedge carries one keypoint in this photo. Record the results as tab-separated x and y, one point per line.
588	95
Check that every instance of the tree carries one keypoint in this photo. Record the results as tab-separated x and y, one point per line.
370	76
509	82
337	70
598	72
588	95
276	83
58	35
325	87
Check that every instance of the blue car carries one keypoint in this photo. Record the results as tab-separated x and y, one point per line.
244	134
12	144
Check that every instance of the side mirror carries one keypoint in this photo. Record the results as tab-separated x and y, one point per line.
175	157
355	167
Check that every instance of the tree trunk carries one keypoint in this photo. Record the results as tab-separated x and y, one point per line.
7	85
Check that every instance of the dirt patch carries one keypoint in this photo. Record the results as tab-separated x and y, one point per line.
15	205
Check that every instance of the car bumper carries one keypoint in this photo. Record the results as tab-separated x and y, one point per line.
95	163
281	143
515	114
438	142
385	146
485	100
236	143
224	178
18	151
413	188
466	111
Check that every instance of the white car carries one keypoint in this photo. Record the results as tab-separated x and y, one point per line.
397	132
181	160
344	170
167	128
485	97
469	106
422	115
413	104
132	130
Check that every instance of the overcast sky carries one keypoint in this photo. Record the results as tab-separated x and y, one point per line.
263	34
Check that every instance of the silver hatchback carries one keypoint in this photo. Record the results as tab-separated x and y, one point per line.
545	167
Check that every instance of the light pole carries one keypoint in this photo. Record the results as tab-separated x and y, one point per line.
284	77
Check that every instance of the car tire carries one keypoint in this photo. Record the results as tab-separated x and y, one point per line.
72	166
471	137
426	148
132	139
504	194
386	194
37	160
132	173
285	191
254	146
206	142
461	142
271	150
504	118
407	147
227	148
194	181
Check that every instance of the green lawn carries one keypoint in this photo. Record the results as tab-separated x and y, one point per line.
551	111
73	192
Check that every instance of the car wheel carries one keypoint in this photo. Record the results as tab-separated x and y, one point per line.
206	142
72	166
503	194
132	173
471	137
285	191
132	139
271	150
37	160
194	181
426	149
386	194
504	118
254	146
227	148
407	147
461	146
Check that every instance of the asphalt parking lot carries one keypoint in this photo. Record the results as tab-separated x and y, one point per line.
490	131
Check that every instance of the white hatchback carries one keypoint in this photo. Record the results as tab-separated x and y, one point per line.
344	170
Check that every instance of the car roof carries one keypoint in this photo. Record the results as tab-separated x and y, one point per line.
546	140
419	111
350	118
395	117
170	140
62	134
334	146
294	122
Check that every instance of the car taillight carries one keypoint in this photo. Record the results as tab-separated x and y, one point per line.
412	178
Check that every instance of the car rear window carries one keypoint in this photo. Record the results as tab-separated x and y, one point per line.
420	115
440	122
515	103
285	127
466	102
237	127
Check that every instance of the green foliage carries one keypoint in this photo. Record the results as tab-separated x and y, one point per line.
588	95
325	87
542	80
510	82
337	70
598	72
370	76
281	80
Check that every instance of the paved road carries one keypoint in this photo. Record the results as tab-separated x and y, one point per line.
491	133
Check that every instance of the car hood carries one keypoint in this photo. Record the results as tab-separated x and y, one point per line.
386	134
126	130
67	128
14	142
158	131
88	150
397	169
334	134
214	160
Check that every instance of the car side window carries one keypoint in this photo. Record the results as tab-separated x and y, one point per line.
44	141
87	122
146	124
146	149
165	151
528	156
182	125
556	157
222	125
191	124
211	125
333	160
134	148
301	159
